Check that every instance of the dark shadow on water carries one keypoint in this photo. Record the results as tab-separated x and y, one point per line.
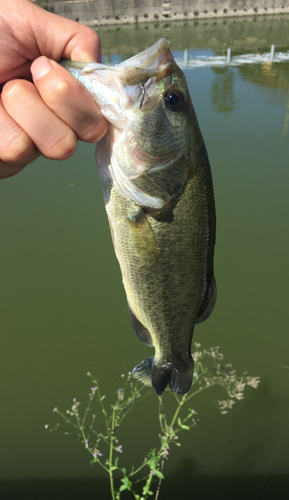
179	486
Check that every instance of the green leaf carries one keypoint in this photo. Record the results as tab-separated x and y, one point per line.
159	474
126	484
152	462
182	426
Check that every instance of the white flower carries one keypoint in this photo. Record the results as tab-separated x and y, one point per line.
253	381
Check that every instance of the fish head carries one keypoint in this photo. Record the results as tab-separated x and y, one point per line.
152	128
158	108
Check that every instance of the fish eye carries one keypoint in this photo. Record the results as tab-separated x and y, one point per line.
174	100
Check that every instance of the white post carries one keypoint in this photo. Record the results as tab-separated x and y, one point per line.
186	57
272	52
228	55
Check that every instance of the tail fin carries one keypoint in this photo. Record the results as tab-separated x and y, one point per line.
179	377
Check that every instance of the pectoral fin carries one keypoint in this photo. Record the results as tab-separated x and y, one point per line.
143	238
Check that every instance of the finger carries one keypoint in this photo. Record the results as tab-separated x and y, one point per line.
68	99
16	148
64	38
22	71
8	170
53	138
45	33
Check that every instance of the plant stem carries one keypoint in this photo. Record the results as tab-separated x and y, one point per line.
110	454
160	480
186	397
147	485
178	411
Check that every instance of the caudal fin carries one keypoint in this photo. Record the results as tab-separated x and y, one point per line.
178	376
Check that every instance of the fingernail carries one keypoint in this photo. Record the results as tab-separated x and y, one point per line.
40	67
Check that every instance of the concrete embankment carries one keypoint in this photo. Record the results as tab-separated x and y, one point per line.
105	12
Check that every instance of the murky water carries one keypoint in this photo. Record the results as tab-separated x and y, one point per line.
63	309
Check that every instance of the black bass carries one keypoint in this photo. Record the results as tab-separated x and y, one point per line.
159	199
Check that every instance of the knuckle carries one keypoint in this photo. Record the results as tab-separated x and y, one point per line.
17	149
94	131
89	34
57	92
63	148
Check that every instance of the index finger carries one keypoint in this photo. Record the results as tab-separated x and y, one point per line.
68	99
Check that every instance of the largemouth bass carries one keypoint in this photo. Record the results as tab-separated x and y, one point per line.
158	193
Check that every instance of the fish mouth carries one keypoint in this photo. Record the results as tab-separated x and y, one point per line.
124	80
156	61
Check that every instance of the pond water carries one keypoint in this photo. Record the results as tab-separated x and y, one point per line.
63	309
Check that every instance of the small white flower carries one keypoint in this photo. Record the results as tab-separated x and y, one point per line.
253	381
120	394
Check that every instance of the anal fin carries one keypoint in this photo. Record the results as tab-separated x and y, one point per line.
141	331
209	302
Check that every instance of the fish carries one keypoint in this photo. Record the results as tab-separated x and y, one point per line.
158	192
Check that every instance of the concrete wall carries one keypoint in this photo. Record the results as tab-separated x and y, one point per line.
103	12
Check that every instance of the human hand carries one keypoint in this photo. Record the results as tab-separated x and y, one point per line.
44	110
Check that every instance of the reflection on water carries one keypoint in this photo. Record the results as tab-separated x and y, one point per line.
271	79
242	35
63	310
222	90
284	133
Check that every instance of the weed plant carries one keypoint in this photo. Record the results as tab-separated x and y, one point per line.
104	447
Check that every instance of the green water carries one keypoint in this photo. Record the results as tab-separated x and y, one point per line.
63	309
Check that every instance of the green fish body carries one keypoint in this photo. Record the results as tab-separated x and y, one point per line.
159	199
